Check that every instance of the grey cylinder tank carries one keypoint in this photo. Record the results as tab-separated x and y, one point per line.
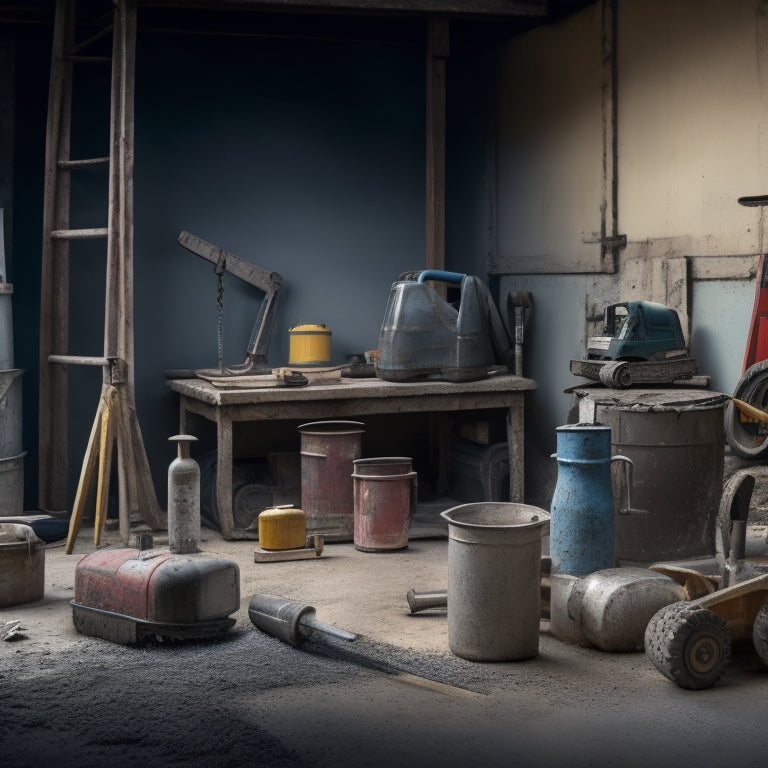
183	499
675	439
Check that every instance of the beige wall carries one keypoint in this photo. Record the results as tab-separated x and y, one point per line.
691	117
691	138
692	96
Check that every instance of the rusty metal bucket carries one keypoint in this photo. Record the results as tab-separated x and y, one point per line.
384	498
22	565
328	450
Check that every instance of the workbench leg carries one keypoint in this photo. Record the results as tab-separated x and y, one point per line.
516	444
182	416
224	474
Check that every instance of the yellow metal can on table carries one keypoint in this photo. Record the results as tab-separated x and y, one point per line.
310	344
282	528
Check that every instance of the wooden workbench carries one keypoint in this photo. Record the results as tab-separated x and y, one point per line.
347	399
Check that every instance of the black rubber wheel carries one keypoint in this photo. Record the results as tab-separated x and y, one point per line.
760	633
748	439
734	505
688	645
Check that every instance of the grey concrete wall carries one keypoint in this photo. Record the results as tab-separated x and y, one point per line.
691	140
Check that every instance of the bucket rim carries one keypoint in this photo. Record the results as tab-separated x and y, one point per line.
9	459
25	536
583	426
341	427
383	459
540	518
653	400
384	477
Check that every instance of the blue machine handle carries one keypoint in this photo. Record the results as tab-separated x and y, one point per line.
439	274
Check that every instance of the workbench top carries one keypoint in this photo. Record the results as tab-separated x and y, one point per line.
362	389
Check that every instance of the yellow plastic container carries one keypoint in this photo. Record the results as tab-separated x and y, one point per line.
310	344
282	528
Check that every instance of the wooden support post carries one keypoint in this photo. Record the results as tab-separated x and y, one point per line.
54	278
116	421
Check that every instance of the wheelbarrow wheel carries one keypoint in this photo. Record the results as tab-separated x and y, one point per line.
760	633
688	645
747	439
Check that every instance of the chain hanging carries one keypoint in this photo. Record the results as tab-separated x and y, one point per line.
220	268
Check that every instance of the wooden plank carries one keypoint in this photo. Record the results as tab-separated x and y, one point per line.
106	445
609	209
86	476
313	548
151	512
284	555
54	280
224	473
79	234
516	445
78	360
129	497
65	165
723	267
496	387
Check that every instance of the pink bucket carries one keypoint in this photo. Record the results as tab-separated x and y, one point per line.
383	504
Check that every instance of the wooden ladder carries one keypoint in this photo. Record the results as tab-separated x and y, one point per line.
115	422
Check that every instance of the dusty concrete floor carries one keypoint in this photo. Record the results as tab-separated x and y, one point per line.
362	592
251	700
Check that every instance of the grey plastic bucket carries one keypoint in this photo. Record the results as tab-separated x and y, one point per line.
494	580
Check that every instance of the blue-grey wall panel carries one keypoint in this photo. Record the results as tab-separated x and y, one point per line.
303	157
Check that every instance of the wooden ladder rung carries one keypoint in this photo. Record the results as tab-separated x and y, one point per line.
87	162
79	360
79	234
